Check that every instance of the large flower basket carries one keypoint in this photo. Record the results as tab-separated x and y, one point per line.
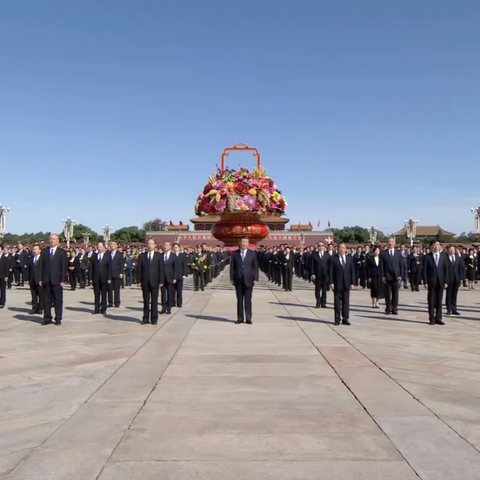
236	225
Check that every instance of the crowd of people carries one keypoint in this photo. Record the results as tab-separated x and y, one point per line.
110	267
381	269
107	268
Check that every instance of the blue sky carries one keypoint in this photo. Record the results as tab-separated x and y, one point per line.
116	111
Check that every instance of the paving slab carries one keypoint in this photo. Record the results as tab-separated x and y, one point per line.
291	396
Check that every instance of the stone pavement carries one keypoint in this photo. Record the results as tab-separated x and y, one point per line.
198	397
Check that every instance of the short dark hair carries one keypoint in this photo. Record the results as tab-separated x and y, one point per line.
101	242
176	243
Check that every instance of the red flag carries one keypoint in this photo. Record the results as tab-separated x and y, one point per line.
149	224
180	223
310	224
318	224
329	224
171	223
299	225
160	223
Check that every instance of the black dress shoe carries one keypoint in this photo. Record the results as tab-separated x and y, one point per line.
323	306
449	312
2	306
238	322
387	312
337	323
168	312
162	312
455	313
346	322
317	306
110	305
249	322
439	322
431	322
144	322
46	322
117	306
154	322
58	322
394	313
95	313
33	312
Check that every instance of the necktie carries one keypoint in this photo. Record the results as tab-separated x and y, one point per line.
35	260
100	257
150	256
452	259
51	252
343	261
436	260
391	253
321	255
243	255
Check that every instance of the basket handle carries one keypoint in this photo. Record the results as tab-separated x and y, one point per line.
237	147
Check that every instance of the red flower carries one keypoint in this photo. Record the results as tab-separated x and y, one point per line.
207	208
207	188
241	188
258	206
281	203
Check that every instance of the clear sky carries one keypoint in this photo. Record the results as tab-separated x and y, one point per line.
115	111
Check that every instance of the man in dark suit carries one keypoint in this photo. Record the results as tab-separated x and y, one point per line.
455	277
35	282
170	278
342	280
435	266
391	268
21	265
101	265
150	274
320	275
4	270
244	275
117	275
415	260
54	275
181	272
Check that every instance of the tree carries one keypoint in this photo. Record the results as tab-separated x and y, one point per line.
470	237
129	235
39	237
351	234
155	225
78	231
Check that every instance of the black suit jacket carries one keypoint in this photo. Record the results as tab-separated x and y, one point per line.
456	269
391	267
436	277
117	264
35	271
181	266
151	272
170	267
54	269
321	266
4	265
342	278
246	272
101	270
22	258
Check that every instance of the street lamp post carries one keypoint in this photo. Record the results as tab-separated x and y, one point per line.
3	219
411	227
373	234
68	229
107	232
86	238
476	212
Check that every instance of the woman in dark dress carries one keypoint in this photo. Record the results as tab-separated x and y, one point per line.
471	266
288	269
374	277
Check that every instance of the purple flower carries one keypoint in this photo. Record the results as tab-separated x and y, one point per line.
250	201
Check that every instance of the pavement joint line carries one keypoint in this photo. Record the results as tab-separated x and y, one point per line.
341	379
39	446
390	377
209	298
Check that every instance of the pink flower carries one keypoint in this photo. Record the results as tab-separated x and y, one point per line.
220	206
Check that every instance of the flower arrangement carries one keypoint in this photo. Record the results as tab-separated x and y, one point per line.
233	191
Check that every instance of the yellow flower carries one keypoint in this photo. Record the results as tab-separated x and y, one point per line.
244	207
212	193
275	196
218	197
266	178
230	186
252	191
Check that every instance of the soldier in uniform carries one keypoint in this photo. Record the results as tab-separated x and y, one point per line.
199	265
128	267
359	260
415	268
